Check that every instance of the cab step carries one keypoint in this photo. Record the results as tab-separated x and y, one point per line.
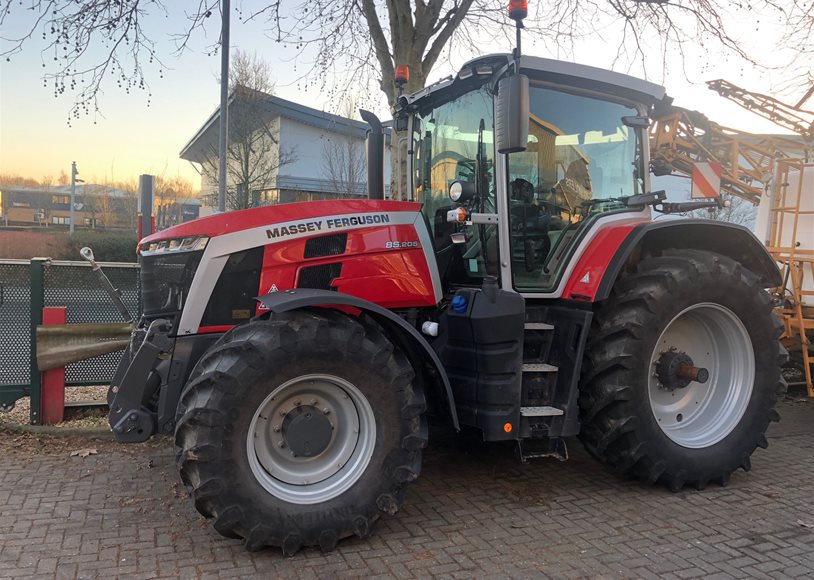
538	326
538	368
541	412
537	448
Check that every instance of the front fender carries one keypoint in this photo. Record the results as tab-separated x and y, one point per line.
397	327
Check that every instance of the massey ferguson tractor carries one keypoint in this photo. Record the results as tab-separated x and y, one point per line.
526	294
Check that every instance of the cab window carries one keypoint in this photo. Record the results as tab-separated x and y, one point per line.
580	159
453	142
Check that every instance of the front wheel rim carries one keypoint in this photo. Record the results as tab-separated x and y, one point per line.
277	451
700	415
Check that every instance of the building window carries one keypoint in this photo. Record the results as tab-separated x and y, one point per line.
60	199
270	197
60	220
89	221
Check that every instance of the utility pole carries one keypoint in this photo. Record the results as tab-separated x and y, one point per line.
224	105
74	181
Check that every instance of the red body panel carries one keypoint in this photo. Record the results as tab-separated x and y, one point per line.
392	278
383	260
586	277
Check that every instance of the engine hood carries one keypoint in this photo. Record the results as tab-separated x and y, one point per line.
235	221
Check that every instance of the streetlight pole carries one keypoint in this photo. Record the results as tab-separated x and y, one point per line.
224	98
74	173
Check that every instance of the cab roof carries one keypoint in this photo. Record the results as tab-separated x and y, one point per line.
480	70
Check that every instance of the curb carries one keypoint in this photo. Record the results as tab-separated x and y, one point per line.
99	432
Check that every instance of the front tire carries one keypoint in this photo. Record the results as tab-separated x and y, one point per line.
694	311
300	431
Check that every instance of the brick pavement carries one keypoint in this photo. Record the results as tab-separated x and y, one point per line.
474	512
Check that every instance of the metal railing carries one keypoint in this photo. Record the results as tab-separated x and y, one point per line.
26	286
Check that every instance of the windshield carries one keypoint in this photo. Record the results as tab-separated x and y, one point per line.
453	142
580	155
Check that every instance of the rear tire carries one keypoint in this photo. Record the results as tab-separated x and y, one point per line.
643	423
300	431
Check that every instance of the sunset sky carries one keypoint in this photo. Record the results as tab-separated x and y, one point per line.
132	138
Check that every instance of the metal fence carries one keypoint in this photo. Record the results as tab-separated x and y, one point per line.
26	286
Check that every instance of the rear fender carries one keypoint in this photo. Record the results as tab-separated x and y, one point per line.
651	238
402	333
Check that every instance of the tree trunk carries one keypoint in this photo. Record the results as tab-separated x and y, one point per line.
400	140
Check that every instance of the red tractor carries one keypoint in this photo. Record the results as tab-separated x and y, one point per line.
297	351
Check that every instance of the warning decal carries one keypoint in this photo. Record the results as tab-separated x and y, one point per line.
706	180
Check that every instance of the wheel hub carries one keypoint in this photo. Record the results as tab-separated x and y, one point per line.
701	375
306	431
676	370
311	438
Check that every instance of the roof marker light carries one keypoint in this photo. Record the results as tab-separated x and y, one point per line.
518	9
402	75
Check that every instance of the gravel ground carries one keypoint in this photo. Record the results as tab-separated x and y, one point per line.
20	414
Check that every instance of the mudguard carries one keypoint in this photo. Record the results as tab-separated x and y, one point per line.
731	240
289	300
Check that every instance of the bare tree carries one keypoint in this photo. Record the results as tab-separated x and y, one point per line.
343	157
344	164
170	193
736	210
254	156
366	39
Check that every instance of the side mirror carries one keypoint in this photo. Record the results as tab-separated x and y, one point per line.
637	122
512	114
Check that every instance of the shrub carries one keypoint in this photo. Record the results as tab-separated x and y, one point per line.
107	246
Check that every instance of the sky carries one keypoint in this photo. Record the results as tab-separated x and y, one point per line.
131	138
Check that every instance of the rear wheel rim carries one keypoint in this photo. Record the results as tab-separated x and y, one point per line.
278	446
702	414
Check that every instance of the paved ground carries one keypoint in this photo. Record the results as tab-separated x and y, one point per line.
473	513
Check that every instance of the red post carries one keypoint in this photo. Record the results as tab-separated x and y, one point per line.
53	381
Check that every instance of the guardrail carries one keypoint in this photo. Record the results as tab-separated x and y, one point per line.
26	286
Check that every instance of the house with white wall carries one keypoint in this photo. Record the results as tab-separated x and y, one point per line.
316	155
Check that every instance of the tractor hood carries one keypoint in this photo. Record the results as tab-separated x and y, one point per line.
235	221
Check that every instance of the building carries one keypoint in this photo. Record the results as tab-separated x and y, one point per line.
95	207
297	153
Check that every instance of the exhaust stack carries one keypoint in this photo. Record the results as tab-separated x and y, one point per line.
374	152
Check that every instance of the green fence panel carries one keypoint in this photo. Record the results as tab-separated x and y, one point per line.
55	283
75	286
15	331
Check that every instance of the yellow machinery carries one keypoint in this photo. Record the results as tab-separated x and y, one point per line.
777	170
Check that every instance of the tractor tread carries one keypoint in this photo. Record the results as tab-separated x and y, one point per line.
208	406
613	429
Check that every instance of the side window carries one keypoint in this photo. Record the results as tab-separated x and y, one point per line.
455	142
580	159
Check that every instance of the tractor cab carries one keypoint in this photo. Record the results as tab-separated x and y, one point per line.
584	154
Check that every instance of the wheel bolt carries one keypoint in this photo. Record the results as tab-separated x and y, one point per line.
326	411
281	444
276	428
297	403
282	413
313	402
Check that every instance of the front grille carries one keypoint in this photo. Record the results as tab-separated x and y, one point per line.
319	277
165	280
331	245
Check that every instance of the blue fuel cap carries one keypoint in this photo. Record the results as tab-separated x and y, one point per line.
459	304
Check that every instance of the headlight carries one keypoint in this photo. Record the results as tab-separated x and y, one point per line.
461	191
189	244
